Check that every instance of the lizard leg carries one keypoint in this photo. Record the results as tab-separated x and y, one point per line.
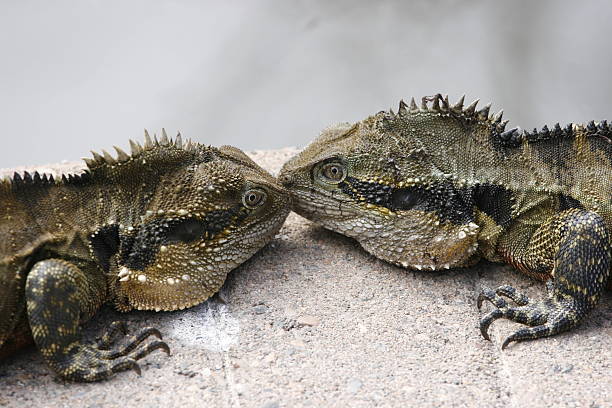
58	295
579	245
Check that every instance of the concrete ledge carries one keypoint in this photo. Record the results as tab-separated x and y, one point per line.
313	320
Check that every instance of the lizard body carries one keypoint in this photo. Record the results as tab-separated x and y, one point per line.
157	229
441	186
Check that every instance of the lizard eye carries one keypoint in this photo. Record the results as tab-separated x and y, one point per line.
254	198
332	173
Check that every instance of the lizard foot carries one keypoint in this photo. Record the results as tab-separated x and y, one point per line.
547	317
110	336
101	361
57	293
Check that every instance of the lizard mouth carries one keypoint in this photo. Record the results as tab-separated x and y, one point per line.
125	275
314	204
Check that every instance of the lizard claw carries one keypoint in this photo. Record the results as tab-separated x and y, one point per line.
508	340
493	297
150	347
532	333
486	321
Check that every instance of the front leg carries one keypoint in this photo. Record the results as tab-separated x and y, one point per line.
59	296
575	248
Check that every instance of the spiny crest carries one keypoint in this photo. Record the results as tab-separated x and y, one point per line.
440	104
601	129
547	134
34	179
514	137
501	137
137	149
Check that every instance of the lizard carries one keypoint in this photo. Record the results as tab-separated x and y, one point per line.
439	185
157	229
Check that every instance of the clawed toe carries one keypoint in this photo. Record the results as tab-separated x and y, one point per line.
100	361
112	332
486	321
529	315
528	334
150	347
511	293
124	364
106	370
545	318
491	296
134	342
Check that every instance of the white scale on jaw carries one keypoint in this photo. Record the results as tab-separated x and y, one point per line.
124	276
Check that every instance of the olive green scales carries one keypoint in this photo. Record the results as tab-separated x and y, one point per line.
440	186
158	229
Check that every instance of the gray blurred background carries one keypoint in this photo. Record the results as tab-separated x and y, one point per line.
89	74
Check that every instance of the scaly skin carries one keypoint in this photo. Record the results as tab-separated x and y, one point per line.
155	230
441	186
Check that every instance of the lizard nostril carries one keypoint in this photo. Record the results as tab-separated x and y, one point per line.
286	180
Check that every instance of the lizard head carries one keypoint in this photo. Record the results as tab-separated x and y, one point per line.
204	217
392	182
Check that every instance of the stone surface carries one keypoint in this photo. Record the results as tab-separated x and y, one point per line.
385	337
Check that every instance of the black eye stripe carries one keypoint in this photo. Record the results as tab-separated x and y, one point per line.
404	199
185	231
138	250
447	201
